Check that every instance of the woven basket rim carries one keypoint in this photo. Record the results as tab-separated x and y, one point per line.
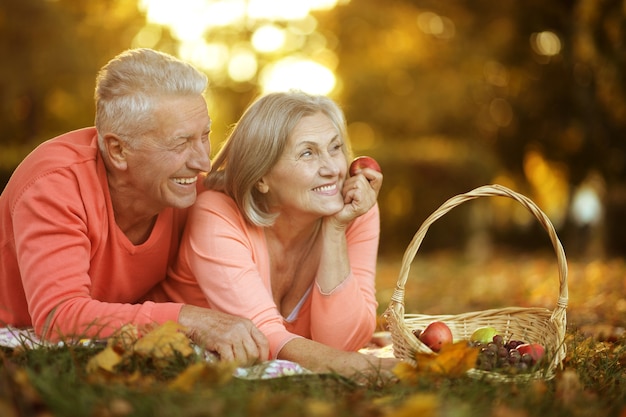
395	311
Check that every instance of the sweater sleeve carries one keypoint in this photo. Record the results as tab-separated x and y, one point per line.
346	318
71	279
229	261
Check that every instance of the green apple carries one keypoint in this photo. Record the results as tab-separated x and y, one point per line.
483	334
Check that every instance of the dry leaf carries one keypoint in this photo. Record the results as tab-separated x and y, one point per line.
164	342
106	360
406	372
217	374
124	339
453	360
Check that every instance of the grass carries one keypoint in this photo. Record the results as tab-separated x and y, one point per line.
54	381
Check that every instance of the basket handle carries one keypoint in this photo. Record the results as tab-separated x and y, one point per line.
484	191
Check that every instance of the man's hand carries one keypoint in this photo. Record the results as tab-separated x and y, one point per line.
233	338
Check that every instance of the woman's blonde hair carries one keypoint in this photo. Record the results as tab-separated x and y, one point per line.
256	143
129	86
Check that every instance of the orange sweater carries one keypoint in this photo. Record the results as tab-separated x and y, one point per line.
65	266
230	261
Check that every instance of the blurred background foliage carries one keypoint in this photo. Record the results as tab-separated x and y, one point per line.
447	96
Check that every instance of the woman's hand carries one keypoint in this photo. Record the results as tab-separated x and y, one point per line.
360	193
321	358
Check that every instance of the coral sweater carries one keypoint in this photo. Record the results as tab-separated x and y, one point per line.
65	266
230	262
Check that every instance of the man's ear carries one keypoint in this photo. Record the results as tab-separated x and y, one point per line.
115	148
262	186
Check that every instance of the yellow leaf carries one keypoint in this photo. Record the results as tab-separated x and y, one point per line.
124	339
106	360
164	341
406	372
453	359
217	374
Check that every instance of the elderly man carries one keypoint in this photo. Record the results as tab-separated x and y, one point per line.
91	220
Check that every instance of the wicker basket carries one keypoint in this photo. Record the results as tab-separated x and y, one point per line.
531	324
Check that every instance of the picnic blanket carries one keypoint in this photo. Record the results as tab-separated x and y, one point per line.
13	338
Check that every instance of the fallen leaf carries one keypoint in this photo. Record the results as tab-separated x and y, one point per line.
106	360
406	372
124	339
164	342
211	373
453	359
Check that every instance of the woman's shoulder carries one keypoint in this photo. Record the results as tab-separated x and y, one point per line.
213	197
216	210
218	203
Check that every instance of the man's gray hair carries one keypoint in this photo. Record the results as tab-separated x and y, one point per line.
129	85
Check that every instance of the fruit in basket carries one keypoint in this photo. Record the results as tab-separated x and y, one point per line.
498	356
435	335
535	350
483	334
361	162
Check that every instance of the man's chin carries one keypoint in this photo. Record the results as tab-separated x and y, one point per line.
183	202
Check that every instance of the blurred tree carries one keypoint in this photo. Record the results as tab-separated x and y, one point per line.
447	95
52	50
457	94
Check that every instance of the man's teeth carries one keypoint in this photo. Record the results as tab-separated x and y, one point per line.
185	180
326	188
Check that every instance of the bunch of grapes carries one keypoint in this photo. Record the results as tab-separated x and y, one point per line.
503	357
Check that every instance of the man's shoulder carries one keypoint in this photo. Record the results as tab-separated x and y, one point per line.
73	151
74	144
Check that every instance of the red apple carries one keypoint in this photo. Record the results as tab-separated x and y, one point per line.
535	350
435	335
361	162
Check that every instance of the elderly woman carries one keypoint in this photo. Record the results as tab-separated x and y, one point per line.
285	238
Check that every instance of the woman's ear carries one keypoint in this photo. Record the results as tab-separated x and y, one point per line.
115	149
262	186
